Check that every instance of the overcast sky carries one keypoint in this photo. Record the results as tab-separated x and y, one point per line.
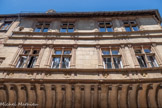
17	6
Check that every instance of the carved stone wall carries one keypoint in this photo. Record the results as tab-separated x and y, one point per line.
83	95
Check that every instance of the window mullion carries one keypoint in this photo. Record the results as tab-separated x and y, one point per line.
130	25
105	27
112	61
61	57
42	27
67	28
27	60
60	64
147	61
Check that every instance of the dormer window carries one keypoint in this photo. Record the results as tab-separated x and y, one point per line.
42	27
130	26
67	27
105	26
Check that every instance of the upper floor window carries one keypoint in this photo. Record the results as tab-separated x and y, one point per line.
145	57
130	26
5	25
67	27
105	27
42	27
61	58
112	58
28	58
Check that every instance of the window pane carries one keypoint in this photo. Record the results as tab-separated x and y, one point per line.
58	52
128	29
55	62
109	29
141	61
71	24
106	52
133	22
67	52
117	62
135	28
152	61
21	62
115	52
108	63
31	62
101	24
35	51
45	30
126	22
5	26
147	50
37	30
65	62
40	23
63	30
138	51
102	29
26	52
64	24
70	30
108	23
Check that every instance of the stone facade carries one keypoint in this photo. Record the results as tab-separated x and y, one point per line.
117	68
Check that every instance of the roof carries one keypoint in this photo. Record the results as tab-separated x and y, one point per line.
87	14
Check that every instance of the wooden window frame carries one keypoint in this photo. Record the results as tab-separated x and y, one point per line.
129	24
105	25
42	25
144	54
112	56
67	26
61	56
7	27
28	56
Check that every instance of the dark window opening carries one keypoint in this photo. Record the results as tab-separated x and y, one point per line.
31	62
138	51
55	62
42	27
105	27
61	58
108	63
152	61
141	61
117	62
65	62
67	27
5	25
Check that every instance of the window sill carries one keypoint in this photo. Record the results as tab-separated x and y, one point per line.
86	33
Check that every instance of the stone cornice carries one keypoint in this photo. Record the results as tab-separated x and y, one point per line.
85	38
86	33
84	45
74	81
80	70
87	14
